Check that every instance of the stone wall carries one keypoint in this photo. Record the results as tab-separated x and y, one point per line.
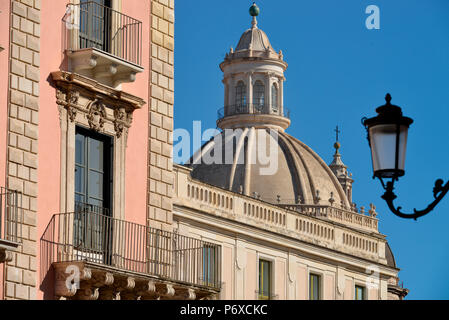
160	167
22	163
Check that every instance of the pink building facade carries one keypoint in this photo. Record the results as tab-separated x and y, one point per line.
86	86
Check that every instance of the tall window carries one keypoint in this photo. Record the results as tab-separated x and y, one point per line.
359	293
210	264
274	98
93	163
258	95
93	185
314	287
95	24
240	96
264	280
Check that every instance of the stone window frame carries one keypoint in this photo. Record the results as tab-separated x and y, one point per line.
272	260
320	274
86	103
364	289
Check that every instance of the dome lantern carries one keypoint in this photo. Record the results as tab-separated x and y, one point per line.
254	82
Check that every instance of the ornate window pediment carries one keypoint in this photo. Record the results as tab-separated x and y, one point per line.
94	105
88	104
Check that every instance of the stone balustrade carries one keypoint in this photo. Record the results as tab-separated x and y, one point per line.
331	227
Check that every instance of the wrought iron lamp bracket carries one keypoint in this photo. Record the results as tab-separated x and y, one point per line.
439	191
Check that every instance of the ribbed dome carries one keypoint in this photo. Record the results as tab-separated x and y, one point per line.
254	39
301	175
389	256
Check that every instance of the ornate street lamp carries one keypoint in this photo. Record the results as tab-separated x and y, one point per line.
387	137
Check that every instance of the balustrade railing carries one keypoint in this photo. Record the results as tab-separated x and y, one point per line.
92	25
100	239
250	108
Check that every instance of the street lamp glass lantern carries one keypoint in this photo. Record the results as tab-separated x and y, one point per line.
387	136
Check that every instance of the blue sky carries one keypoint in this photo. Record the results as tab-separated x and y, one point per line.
339	71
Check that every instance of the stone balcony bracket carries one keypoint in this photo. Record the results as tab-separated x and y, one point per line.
102	67
95	282
6	250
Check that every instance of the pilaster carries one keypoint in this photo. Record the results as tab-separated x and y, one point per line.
23	132
160	166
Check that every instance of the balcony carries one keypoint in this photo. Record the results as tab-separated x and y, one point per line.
102	43
116	259
252	114
10	219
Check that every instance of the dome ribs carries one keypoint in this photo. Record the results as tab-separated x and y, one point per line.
329	172
294	163
238	150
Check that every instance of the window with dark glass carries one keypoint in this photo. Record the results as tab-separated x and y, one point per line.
258	95
264	279
240	96
210	256
95	24
359	293
274	98
314	287
93	186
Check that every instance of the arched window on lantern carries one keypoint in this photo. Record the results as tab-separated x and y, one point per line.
240	96
274	98
258	96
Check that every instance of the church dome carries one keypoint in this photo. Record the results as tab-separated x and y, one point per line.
295	173
254	39
253	155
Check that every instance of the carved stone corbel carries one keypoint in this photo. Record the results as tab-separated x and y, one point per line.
67	282
146	290
185	293
5	256
126	284
63	288
125	288
103	279
167	290
88	293
120	118
72	98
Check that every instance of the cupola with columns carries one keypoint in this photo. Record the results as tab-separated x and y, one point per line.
253	81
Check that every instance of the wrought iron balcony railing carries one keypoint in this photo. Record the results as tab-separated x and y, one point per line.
99	239
251	109
11	215
92	25
90	208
